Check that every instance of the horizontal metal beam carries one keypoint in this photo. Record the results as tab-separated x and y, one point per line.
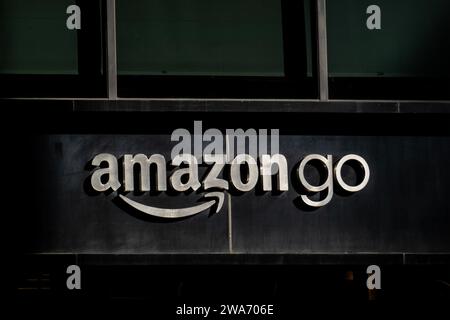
244	259
209	105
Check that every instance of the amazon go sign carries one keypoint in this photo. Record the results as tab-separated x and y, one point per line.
244	172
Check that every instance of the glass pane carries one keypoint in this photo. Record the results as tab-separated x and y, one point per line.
414	39
200	37
34	38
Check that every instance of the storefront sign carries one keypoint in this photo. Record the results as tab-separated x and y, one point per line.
244	170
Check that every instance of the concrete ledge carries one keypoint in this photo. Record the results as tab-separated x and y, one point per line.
207	105
241	259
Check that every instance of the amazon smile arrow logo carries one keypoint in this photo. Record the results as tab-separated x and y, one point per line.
177	213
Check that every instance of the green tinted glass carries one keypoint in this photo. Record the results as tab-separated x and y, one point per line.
34	38
414	39
200	37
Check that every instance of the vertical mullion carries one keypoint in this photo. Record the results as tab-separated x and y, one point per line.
111	53
322	49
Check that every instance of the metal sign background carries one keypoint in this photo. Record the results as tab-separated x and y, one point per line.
404	208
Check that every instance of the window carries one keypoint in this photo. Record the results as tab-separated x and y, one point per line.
215	48
41	56
406	58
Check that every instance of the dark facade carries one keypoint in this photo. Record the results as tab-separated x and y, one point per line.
275	73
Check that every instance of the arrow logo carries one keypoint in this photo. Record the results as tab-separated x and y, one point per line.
181	212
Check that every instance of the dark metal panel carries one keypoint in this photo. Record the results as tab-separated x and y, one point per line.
70	217
404	208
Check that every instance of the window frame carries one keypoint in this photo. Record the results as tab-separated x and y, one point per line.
388	88
90	82
292	86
